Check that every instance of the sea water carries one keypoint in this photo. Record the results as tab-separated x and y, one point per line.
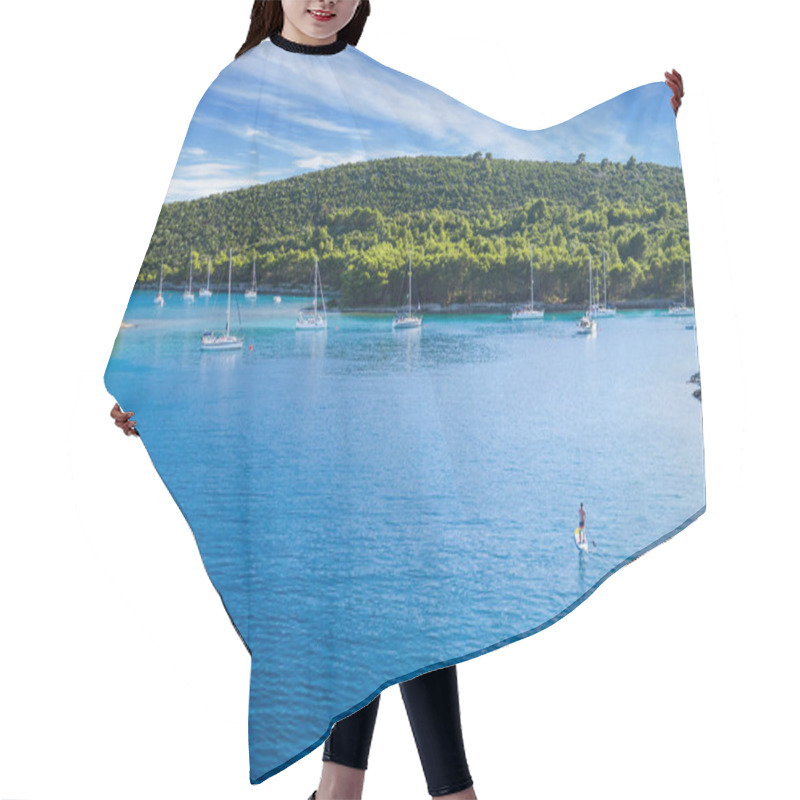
370	502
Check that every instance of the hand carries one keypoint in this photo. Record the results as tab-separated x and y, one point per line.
122	419
675	82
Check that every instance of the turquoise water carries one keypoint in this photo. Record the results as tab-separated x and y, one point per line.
371	502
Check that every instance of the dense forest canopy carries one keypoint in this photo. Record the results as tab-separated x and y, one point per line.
468	221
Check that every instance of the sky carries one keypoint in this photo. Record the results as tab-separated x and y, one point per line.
272	114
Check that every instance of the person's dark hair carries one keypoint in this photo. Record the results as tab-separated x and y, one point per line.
266	18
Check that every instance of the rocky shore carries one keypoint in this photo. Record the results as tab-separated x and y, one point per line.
696	379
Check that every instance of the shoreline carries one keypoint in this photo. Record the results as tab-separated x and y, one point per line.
507	308
642	304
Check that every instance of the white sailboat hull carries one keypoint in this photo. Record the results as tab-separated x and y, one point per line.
311	323
680	311
407	322
221	342
528	313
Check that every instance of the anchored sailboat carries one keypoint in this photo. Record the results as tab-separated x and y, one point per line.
587	324
528	311
207	291
313	320
603	310
252	292
188	295
406	318
223	341
159	298
681	309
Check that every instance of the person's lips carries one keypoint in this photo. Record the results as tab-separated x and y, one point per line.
321	15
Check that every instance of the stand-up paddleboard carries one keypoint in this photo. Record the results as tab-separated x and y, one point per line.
582	546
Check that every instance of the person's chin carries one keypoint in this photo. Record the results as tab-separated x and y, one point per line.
315	32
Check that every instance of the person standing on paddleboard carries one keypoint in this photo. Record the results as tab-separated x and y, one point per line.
582	524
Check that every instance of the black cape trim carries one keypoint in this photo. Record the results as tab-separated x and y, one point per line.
308	49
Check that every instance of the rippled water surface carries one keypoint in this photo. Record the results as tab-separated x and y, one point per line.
371	502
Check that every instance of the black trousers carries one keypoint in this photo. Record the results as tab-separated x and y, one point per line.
431	702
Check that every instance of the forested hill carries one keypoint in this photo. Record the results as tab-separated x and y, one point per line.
469	222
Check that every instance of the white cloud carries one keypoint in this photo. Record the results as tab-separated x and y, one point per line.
200	180
324	160
303	114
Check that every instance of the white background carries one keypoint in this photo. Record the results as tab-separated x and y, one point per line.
120	674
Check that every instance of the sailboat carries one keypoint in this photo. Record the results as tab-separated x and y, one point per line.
528	311
603	310
207	291
313	320
223	341
587	324
159	298
681	309
252	292
407	318
188	295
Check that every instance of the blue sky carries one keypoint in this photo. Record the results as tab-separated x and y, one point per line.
272	114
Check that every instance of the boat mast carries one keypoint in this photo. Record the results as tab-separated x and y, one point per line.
591	295
684	282
191	265
605	292
321	293
409	281
531	276
230	270
316	279
208	278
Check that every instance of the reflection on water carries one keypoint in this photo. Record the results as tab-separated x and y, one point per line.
310	344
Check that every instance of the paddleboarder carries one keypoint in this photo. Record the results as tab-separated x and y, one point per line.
582	525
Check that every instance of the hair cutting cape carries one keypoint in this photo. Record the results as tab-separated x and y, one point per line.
442	335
